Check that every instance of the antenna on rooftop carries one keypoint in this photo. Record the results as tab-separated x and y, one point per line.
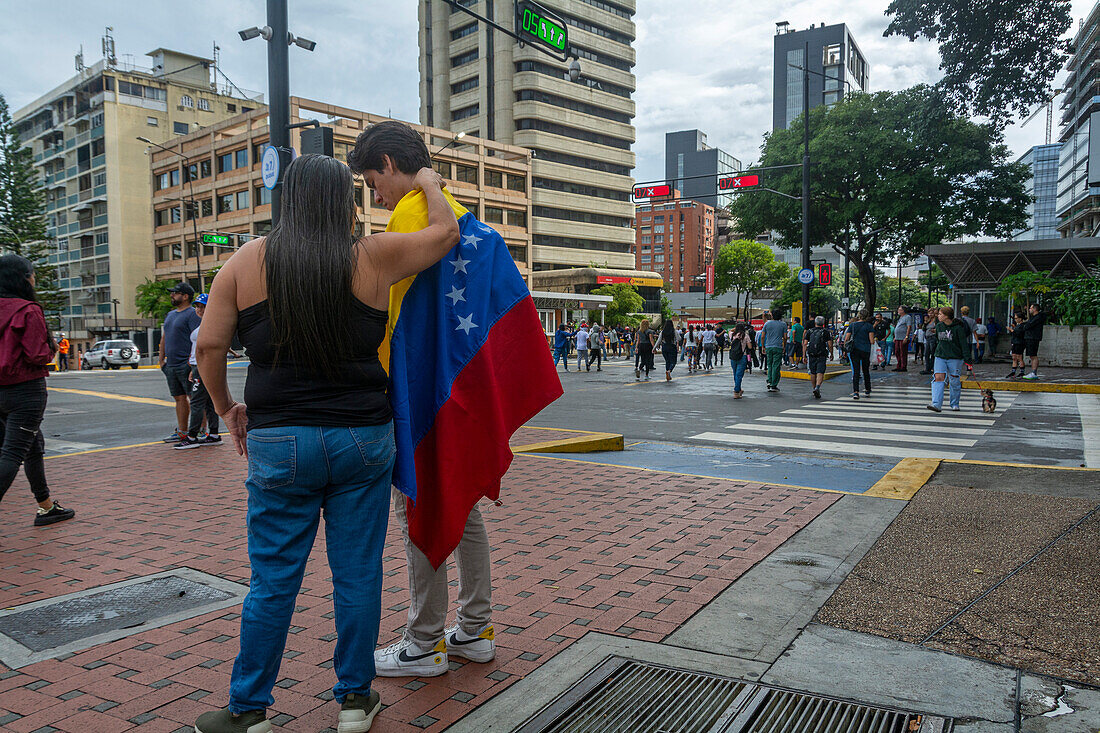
79	60
217	61
109	48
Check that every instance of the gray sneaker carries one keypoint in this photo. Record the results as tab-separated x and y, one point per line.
357	713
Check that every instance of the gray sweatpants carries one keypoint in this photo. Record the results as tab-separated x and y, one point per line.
428	602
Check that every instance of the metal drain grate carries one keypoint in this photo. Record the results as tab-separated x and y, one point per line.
76	621
627	696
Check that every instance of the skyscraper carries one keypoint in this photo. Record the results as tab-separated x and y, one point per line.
1078	206
1043	186
687	156
477	80
840	67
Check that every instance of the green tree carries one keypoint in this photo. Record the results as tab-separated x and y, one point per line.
620	311
746	266
899	163
153	299
666	309
1078	303
1028	287
23	214
998	58
823	301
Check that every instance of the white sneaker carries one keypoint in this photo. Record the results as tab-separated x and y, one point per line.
1031	376
480	648
407	659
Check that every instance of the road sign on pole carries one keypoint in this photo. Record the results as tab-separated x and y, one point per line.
710	279
539	26
805	276
651	192
221	239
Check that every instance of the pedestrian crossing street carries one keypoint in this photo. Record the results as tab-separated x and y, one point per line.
892	422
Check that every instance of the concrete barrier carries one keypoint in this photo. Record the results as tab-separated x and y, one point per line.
1064	346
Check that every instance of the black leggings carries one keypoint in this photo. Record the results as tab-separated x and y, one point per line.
201	406
670	354
861	360
21	409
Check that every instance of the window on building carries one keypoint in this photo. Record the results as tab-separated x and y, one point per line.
463	59
152	121
187	101
645	229
466	112
263	196
258	152
204	104
516	218
517	183
358	196
443	168
242	199
225	163
659	229
646	259
162	253
659	258
660	218
646	239
241	158
230	107
659	238
831	54
466	30
494	214
645	247
465	173
180	128
494	178
225	203
99	179
465	85
206	207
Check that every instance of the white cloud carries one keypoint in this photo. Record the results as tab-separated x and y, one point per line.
701	63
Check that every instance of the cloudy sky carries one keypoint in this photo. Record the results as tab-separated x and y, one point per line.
701	63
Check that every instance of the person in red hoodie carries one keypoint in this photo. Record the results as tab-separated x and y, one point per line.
26	347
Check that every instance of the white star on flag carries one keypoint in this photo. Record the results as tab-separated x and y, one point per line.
456	295
460	264
465	324
471	239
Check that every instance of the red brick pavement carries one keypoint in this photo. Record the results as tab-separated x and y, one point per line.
577	548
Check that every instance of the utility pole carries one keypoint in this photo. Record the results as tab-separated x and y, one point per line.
847	309
278	91
806	180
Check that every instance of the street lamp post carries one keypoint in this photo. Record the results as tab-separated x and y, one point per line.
114	301
194	211
454	140
806	179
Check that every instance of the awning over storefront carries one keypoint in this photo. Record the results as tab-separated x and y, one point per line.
983	265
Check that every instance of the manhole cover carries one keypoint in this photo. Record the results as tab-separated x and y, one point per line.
67	623
627	696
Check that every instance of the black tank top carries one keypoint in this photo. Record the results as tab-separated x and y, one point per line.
288	394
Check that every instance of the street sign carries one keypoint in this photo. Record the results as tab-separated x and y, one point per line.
537	25
805	276
650	192
710	279
222	239
824	274
270	165
732	182
639	282
845	302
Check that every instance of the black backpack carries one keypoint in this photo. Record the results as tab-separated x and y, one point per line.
816	342
737	350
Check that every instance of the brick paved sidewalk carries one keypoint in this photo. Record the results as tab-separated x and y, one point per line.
577	548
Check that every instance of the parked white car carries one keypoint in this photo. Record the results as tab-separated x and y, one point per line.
111	355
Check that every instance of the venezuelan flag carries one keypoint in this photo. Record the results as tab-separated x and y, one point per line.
468	365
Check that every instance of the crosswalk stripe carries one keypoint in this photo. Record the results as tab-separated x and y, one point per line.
946	420
812	429
910	408
915	427
831	446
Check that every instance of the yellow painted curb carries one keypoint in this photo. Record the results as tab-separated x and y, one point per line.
590	443
805	376
1033	387
1018	465
905	479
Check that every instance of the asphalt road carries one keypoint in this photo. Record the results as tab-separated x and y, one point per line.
691	423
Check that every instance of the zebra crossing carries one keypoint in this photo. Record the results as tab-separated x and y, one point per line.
893	422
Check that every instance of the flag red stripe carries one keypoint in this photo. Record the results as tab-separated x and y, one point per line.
465	454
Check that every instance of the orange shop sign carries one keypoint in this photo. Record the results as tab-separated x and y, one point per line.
639	282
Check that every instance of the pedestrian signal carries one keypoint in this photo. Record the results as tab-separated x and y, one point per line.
824	274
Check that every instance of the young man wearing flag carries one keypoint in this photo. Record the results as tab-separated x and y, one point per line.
450	328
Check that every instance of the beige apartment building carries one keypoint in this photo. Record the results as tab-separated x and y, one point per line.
478	80
219	169
83	135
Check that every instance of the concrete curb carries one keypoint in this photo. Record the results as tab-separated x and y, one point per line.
905	479
806	377
1033	387
587	443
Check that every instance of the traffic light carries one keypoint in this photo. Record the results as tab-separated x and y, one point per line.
824	274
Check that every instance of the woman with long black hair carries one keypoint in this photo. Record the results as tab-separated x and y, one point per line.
309	302
669	342
26	347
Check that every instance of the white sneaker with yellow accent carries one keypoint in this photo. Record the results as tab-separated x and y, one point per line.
478	648
406	658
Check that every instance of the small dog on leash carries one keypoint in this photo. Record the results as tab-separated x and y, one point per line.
989	402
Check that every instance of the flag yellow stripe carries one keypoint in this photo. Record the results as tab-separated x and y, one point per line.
410	215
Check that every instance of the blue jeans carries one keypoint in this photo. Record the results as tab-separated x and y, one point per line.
293	474
560	354
952	368
582	358
888	351
738	372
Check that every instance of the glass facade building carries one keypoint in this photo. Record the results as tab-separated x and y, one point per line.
837	67
1043	187
687	155
1078	206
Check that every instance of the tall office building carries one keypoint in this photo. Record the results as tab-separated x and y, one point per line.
83	135
840	68
477	80
687	156
1078	207
1042	218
